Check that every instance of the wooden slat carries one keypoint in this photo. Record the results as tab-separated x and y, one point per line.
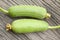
52	6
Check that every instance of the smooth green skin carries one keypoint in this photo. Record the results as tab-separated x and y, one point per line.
28	11
29	25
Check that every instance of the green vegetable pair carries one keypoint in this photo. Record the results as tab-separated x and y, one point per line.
28	25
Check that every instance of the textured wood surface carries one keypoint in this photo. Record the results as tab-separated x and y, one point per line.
52	6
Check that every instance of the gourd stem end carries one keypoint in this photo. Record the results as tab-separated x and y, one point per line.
54	27
3	10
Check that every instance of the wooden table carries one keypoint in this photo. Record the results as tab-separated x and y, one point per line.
52	6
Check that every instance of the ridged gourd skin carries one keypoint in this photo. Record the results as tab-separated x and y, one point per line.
29	25
28	11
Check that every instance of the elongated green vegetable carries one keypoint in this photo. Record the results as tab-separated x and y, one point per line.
27	10
29	25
